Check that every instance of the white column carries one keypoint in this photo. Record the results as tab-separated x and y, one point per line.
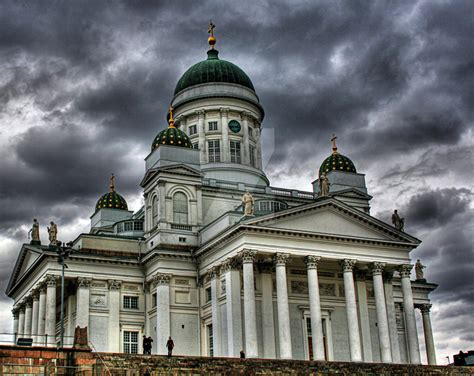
245	144
16	316
428	331
284	331
42	315
163	325
34	316
114	316
315	307
234	307
257	132
50	319
363	309
69	340
351	310
250	313
391	316
268	323
202	136
21	321
28	315
382	322
216	312
410	321
225	156
82	303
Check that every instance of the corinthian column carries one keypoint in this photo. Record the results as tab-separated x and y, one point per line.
408	306
382	323
42	314
234	310
250	315
34	316
351	310
225	157
202	136
284	331
82	306
163	327
391	316
428	331
216	312
50	320
363	309
28	304
21	321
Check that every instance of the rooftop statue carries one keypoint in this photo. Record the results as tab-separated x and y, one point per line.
248	201
398	222
419	270
34	231
324	185
53	233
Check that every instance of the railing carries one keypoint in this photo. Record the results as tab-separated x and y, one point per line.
176	226
36	339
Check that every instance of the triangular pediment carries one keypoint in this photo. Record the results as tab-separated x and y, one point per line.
179	169
27	258
352	192
332	217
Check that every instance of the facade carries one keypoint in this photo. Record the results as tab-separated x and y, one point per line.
285	274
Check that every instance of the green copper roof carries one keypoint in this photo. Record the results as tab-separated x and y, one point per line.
337	162
213	70
171	136
111	200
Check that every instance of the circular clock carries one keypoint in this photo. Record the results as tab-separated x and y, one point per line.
234	126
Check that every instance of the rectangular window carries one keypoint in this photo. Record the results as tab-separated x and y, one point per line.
252	155
212	125
208	294
235	152
214	151
138	226
210	340
153	300
250	132
128	226
196	145
130	302
130	342
192	129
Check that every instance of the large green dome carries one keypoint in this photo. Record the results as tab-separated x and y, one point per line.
337	162
171	136
213	70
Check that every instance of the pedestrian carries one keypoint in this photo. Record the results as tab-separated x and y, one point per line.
242	354
150	341
169	346
145	345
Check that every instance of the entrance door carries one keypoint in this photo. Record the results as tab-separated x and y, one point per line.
310	339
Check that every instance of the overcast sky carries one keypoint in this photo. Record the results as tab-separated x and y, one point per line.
84	89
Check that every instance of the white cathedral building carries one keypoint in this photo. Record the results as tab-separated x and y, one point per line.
301	276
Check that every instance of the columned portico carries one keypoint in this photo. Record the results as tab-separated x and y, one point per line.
391	316
250	315
114	316
34	315
163	327
315	307
82	306
28	307
351	310
284	331
216	312
234	309
428	332
382	323
50	318
408	307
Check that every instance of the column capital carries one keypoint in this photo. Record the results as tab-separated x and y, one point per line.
35	293
281	259
83	283
388	276
248	256
405	270
224	111
347	264
229	264
28	302
161	279
377	268
15	312
312	262
213	272
114	284
200	113
51	280
424	308
245	115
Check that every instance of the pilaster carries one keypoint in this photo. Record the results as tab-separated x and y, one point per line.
82	302
114	316
163	324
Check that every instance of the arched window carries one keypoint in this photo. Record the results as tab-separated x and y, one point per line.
180	208
154	211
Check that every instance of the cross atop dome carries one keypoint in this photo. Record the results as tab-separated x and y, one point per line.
171	120
112	183
212	39
334	146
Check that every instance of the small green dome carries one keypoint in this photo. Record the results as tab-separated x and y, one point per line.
213	70
171	136
337	162
111	200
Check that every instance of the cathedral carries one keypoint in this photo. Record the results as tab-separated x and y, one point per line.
222	261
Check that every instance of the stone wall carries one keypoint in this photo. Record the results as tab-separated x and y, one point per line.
15	360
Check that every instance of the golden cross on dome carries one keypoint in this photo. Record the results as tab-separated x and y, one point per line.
212	39
171	120
112	183
334	147
211	28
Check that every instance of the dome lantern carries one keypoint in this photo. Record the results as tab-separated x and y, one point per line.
111	200
171	136
336	161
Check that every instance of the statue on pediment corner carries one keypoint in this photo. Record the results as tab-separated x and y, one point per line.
248	201
34	231
324	185
397	221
